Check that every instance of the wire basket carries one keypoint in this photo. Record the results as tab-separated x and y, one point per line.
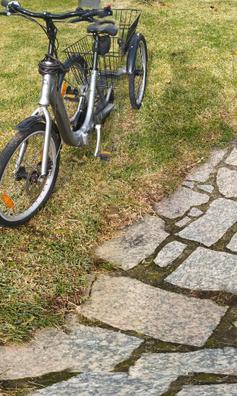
127	21
108	64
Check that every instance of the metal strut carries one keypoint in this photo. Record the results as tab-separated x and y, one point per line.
98	140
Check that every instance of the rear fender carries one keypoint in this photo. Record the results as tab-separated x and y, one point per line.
131	57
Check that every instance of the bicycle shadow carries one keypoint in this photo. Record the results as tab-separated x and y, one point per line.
190	111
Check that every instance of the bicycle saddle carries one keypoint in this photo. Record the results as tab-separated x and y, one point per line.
106	27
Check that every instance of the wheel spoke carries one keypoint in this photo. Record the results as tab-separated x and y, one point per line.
22	191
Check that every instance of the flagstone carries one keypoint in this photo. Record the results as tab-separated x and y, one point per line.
136	243
183	222
113	384
188	184
233	243
203	172
211	227
128	304
82	349
152	366
169	253
180	202
206	269
232	158
209	390
227	182
151	375
206	187
195	212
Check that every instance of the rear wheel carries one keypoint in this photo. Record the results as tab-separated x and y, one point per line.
138	79
75	90
22	190
74	87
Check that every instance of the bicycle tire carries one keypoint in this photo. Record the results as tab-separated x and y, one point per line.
137	99
6	156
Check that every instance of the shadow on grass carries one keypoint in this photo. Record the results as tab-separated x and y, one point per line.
189	114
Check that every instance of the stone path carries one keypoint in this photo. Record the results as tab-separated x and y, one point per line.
82	348
205	269
211	390
129	304
165	320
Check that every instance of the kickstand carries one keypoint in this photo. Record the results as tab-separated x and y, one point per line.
98	140
103	155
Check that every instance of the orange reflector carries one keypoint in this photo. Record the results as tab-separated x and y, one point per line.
64	88
8	201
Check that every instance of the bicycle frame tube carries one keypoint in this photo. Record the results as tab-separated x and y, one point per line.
79	137
51	95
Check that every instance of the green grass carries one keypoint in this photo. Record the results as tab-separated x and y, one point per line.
190	107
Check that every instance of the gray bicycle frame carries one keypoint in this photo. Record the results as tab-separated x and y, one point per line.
51	96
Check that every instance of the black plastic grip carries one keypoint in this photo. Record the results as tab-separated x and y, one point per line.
5	3
107	11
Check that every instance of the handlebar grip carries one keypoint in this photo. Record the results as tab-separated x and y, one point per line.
107	11
5	3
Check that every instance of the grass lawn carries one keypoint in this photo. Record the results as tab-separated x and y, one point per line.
189	108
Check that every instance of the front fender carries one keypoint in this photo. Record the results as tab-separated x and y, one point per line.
28	123
131	57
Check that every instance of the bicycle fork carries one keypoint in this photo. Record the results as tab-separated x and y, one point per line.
48	81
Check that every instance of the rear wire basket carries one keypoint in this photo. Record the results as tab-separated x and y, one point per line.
127	21
109	64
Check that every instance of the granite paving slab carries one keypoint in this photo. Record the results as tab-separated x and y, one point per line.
227	182
188	184
151	375
203	172
129	304
206	187
180	202
209	390
209	228
183	222
83	349
169	253
212	361
195	212
92	384
206	269
232	158
137	243
233	243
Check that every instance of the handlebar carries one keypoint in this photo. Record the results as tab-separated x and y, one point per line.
15	7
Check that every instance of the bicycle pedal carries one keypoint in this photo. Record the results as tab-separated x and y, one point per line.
104	155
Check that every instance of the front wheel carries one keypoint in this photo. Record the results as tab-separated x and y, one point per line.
138	78
22	190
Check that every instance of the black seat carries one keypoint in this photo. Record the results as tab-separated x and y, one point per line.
103	28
